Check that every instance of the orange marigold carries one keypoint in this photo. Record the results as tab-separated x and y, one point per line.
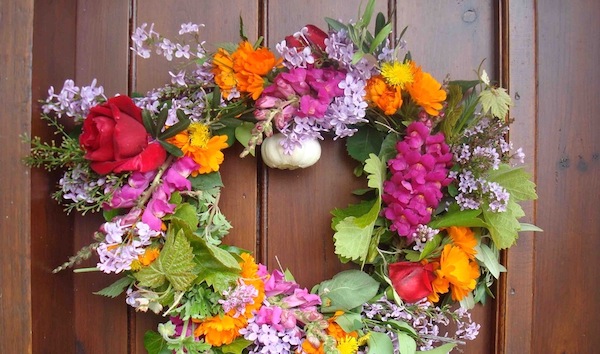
220	330
250	276
223	71
456	272
464	238
336	331
197	143
426	91
379	93
308	348
250	66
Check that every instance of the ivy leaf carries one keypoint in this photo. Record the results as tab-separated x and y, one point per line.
115	289
347	290
365	141
496	101
489	258
380	343
155	343
174	264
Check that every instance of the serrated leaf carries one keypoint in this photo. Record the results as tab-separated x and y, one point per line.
516	181
365	141
155	343
380	343
496	101
115	289
355	210
376	172
347	290
442	349
187	213
504	226
406	343
489	259
175	264
351	240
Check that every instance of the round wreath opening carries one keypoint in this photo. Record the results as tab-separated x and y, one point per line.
441	199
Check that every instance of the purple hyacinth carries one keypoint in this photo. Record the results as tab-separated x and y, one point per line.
419	172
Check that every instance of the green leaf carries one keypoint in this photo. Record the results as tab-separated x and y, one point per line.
148	123
496	101
176	128
206	181
161	120
376	170
155	343
430	246
489	258
335	24
175	264
215	101
388	148
115	289
380	37
187	213
504	226
367	140
380	343
347	290
355	210
468	302
243	133
350	321
171	149
379	22
529	227
110	214
516	181
401	326
351	239
465	85
406	343
468	218
236	347
442	349
365	19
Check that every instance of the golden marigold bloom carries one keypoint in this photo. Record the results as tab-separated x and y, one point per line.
426	91
308	348
149	256
464	238
223	71
348	345
335	330
250	66
205	150
220	330
457	272
386	98
397	74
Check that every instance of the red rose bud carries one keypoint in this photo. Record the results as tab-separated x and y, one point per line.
412	281
115	140
316	36
293	42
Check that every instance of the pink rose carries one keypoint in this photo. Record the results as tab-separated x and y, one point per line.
115	140
412	281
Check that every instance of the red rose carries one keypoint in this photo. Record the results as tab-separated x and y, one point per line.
315	36
115	140
412	281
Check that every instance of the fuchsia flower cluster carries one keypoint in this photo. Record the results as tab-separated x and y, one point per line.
419	172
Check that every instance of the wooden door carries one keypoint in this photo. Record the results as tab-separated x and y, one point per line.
274	213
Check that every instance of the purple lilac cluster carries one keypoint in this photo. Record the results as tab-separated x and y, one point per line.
236	299
484	148
125	238
77	185
426	319
277	326
144	39
419	172
73	101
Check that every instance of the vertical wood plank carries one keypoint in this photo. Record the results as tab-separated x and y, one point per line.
515	318
16	35
239	195
102	53
568	165
298	203
51	230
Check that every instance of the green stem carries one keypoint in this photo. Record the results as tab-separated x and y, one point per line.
86	270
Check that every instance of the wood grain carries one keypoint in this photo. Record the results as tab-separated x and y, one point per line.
16	35
567	169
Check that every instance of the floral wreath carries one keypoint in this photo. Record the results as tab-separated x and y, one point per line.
442	196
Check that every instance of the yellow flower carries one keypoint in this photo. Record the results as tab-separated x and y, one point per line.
250	277
223	71
464	238
220	330
397	74
426	91
205	150
348	345
149	256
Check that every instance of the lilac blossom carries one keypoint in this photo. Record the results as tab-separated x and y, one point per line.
77	184
73	101
238	298
266	339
